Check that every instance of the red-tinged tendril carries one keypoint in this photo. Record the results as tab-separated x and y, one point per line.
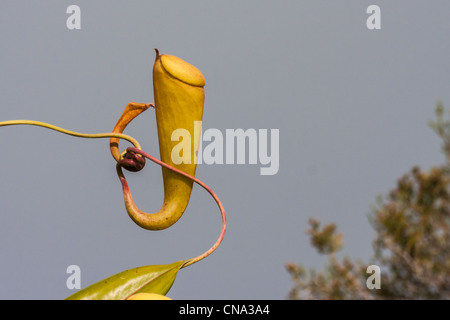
133	154
134	160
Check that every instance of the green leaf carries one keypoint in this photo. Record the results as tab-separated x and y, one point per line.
148	279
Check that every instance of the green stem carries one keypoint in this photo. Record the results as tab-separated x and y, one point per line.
72	133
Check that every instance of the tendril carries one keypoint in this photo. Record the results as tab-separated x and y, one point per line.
202	184
72	133
133	159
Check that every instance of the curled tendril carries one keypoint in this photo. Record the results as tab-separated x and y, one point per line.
133	159
134	151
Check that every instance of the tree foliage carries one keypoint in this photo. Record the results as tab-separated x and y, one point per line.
411	246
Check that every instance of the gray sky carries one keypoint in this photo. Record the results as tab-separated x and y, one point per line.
351	105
